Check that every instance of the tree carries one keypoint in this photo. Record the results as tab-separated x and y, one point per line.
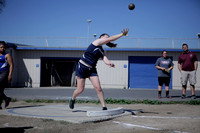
2	5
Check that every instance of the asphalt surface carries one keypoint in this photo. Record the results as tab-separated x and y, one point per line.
65	93
79	113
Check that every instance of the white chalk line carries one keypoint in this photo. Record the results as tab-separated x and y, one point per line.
133	125
64	98
141	126
166	117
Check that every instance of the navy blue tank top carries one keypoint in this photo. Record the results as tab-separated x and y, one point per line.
92	55
3	63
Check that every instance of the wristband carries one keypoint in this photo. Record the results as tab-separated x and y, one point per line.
123	34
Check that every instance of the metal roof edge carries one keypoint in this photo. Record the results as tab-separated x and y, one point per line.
106	49
49	48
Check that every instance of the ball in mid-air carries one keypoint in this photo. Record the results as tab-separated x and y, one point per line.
131	6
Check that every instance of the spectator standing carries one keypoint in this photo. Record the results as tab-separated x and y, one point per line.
187	65
164	66
6	70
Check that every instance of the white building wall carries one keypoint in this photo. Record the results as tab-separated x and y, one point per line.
33	70
118	77
27	67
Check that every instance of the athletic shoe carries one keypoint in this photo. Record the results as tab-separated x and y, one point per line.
159	96
169	97
104	108
71	103
183	96
7	102
193	97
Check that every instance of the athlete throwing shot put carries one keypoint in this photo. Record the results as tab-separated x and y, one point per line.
86	67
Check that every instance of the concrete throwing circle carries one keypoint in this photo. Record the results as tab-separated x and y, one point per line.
41	111
63	112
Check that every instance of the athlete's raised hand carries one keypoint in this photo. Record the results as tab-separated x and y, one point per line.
125	31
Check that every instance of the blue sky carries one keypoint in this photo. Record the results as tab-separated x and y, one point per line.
68	18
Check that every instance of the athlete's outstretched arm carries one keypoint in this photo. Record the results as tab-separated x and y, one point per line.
108	62
102	41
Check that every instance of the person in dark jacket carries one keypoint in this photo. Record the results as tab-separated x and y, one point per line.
6	70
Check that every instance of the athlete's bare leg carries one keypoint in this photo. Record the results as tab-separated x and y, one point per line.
80	87
96	83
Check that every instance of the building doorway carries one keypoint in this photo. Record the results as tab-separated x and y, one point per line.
58	71
142	72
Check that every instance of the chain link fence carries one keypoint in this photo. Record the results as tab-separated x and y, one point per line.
125	42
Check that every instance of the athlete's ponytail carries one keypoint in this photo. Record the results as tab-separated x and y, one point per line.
111	45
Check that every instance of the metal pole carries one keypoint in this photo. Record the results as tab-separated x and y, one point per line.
199	38
139	42
89	30
199	42
95	35
47	43
172	43
88	33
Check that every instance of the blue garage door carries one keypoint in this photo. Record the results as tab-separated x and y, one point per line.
142	72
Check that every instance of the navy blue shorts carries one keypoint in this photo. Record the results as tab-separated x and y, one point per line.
83	71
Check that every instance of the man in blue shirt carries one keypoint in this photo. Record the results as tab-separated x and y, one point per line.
164	66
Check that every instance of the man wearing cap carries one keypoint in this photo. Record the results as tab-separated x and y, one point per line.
187	65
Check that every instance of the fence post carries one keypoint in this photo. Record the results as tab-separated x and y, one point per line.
139	42
172	43
47	43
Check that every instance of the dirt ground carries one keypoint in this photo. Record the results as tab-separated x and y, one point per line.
174	118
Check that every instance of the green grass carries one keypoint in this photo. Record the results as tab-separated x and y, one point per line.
12	100
118	101
39	101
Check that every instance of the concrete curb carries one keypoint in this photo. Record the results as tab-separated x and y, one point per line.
106	112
